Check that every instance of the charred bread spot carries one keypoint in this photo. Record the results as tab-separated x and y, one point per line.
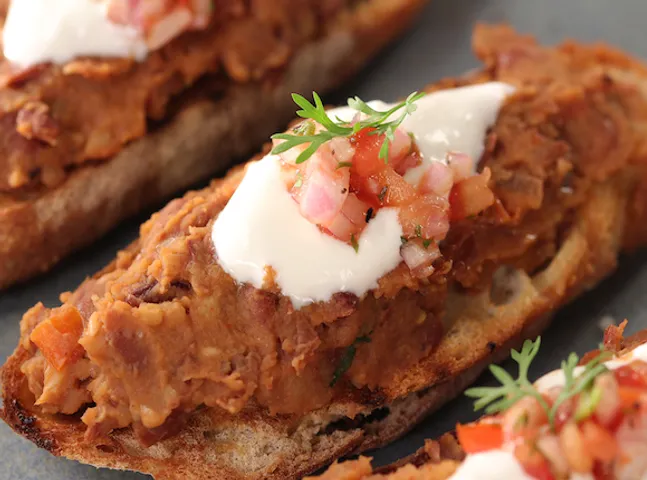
360	421
491	346
25	424
107	449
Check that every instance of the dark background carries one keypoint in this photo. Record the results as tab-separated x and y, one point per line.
438	45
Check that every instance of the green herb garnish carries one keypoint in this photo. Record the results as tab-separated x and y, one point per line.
376	120
299	180
587	403
382	194
426	243
499	399
347	358
353	242
343	165
418	230
403	239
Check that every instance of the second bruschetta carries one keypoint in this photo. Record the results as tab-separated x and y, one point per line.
586	421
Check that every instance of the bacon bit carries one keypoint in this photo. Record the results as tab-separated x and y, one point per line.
58	336
613	337
35	123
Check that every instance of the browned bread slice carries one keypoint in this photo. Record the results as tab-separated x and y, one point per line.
255	445
38	226
480	328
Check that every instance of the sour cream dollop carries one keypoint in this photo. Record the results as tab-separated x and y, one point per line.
38	31
261	225
455	120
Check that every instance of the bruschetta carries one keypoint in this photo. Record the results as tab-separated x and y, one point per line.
585	421
323	298
111	106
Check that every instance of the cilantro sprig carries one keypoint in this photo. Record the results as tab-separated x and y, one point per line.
347	358
499	399
378	121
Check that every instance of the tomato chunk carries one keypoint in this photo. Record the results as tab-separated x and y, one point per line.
628	376
479	437
366	161
58	336
630	397
426	218
471	196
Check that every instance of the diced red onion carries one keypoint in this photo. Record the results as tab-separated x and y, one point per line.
551	448
341	149
355	210
461	164
418	258
321	197
342	228
401	144
438	179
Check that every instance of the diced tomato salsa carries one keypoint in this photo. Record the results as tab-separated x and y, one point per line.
344	184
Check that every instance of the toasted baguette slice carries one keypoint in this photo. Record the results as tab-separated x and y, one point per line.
481	328
439	459
39	226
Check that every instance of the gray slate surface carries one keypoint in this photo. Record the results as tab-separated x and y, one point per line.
439	45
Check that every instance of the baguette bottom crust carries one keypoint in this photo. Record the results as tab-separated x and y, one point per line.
38	228
255	445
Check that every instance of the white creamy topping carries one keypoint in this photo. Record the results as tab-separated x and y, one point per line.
503	464
491	465
556	377
262	226
38	31
454	120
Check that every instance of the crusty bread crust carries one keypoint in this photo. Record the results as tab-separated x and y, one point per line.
37	229
255	445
